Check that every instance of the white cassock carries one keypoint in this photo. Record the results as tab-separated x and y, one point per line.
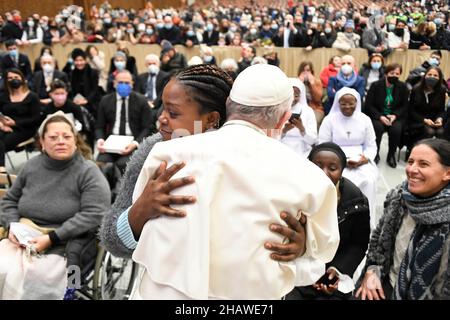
243	180
302	143
355	135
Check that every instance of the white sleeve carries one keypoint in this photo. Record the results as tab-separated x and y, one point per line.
370	144
310	125
325	131
39	36
309	270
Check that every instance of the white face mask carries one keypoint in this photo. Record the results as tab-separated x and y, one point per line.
153	69
48	68
346	69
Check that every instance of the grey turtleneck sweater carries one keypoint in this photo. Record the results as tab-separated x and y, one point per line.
68	195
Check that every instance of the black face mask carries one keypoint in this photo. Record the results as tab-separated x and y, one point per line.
15	83
392	80
399	32
431	81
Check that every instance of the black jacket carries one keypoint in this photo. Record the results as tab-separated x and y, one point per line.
354	228
10	31
173	35
211	38
300	39
420	109
38	83
374	104
85	82
139	116
24	65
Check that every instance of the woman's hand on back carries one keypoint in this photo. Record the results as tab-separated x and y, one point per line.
156	199
294	231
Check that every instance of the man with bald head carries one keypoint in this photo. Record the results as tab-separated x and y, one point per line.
346	77
43	79
123	112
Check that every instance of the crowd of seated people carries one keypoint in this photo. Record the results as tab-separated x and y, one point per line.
343	103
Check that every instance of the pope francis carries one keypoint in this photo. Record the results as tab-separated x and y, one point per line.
244	177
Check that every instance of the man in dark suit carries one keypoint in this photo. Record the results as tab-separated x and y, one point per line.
291	35
210	35
170	32
14	59
43	79
123	112
151	84
13	29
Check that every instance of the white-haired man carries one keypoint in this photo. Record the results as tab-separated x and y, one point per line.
152	82
243	178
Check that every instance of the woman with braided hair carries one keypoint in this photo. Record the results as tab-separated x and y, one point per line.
193	102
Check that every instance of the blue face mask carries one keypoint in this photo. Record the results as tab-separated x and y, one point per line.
123	89
375	65
13	53
120	65
207	59
190	33
434	62
438	21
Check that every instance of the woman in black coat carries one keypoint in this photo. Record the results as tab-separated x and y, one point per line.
386	104
354	230
84	82
427	107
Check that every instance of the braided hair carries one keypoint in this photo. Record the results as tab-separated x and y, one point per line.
209	87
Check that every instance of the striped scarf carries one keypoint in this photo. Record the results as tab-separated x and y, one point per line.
422	262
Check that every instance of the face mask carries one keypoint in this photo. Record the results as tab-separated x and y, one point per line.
107	20
431	81
320	21
58	20
433	61
253	31
190	33
391	27
375	65
160	25
149	31
392	80
59	99
30	23
346	69
48	68
274	27
438	21
141	28
123	89
168	25
207	59
233	29
120	65
153	69
130	31
328	30
209	27
15	83
399	32
258	23
13	53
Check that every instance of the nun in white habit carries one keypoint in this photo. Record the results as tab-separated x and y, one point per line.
300	134
353	131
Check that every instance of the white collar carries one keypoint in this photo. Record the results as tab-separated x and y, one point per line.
245	124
